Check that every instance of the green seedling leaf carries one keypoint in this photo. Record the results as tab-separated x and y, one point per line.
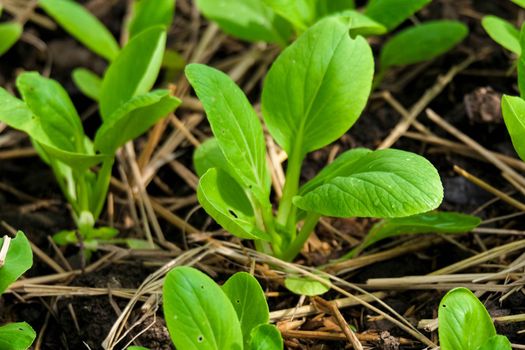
225	201
9	34
434	222
236	127
87	82
133	71
16	336
498	342
519	2
65	237
422	43
198	313
385	184
18	260
363	25
209	155
392	13
502	32
173	60
150	13
265	337
133	118
249	301
250	20
301	13
139	244
305	286
521	64
328	7
464	323
82	25
324	64
513	109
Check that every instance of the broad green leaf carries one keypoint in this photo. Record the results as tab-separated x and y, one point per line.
225	201
497	342
87	82
249	301
301	13
134	70
513	109
149	13
519	2
81	24
363	25
384	184
422	43
502	32
317	88
9	35
198	313
18	260
464	323
209	155
249	20
341	166
265	337
48	100
236	127
392	13
16	336
433	222
134	118
305	286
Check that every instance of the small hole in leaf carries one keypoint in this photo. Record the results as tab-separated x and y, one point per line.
200	338
202	286
444	305
238	301
232	213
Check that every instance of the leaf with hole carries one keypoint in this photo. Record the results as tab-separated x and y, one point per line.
248	300
82	25
384	184
324	64
16	336
199	315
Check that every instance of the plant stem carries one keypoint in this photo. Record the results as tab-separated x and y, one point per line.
101	187
295	247
286	213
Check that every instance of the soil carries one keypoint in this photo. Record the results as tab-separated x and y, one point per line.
31	201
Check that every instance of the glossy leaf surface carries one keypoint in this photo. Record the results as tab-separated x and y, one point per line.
503	32
513	109
18	260
392	13
16	336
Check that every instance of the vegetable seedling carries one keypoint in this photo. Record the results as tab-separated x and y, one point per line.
465	324
128	108
201	315
16	258
313	93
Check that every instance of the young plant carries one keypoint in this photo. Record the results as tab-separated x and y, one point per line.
128	108
274	21
201	315
16	258
465	324
313	93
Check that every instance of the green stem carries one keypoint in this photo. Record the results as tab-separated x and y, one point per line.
286	213
102	187
295	247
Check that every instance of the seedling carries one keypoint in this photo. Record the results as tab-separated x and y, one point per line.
128	108
16	258
465	324
313	94
201	315
275	21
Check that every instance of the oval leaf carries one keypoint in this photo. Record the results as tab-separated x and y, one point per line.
250	20
236	127
464	323
323	65
134	118
502	32
134	70
9	35
266	337
392	13
305	286
422	43
249	301
225	201
150	13
16	336
513	110
198	313
18	260
301	13
87	82
386	183
81	24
